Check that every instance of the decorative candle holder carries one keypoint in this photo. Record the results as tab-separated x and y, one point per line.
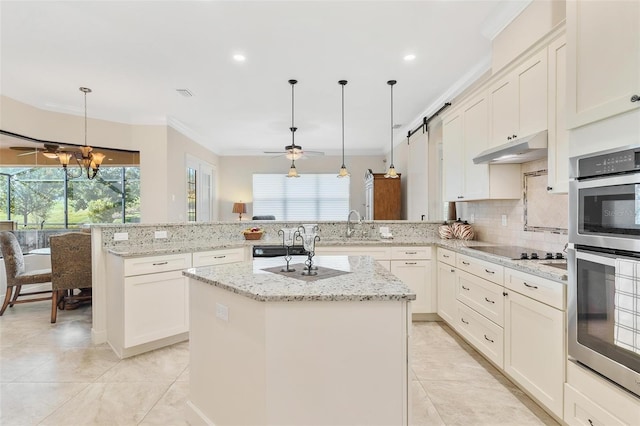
288	239
309	243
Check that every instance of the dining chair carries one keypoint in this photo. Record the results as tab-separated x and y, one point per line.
17	275
70	270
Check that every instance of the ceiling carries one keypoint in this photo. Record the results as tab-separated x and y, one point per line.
135	54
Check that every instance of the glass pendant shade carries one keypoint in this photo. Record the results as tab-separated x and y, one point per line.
293	172
343	172
391	173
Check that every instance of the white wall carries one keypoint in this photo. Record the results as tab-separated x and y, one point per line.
235	174
162	151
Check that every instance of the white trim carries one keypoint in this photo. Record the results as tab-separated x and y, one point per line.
501	16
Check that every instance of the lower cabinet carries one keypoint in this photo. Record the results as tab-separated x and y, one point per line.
446	279
591	400
381	254
483	334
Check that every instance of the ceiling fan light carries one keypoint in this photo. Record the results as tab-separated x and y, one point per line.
64	158
292	171
97	158
51	155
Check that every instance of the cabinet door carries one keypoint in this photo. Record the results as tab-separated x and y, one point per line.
453	170
476	139
603	59
558	161
416	274
504	114
531	106
156	306
447	293
534	351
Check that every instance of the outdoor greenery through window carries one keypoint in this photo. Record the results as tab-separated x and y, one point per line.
309	197
43	198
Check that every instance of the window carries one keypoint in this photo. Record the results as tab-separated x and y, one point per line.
309	197
191	194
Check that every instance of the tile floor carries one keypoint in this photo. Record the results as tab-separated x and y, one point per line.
51	374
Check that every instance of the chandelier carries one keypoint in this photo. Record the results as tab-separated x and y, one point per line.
88	161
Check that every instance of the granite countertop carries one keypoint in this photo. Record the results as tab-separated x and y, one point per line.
349	278
460	246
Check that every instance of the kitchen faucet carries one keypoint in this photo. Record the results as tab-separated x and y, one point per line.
350	231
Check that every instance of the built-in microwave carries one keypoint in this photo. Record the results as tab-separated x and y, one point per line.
604	199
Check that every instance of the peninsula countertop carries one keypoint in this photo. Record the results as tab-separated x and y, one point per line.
341	278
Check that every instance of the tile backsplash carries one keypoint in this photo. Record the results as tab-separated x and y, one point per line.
488	218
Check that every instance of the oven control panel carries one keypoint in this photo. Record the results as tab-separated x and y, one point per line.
615	162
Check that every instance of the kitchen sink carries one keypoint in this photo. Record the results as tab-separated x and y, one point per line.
562	265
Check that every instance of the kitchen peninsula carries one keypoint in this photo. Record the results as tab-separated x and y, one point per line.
269	347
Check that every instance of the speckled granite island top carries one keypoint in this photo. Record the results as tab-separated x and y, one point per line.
363	279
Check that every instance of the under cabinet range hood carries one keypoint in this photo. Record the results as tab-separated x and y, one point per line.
521	150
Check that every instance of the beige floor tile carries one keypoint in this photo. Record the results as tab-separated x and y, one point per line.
109	404
184	376
18	360
423	412
74	365
170	410
164	364
29	403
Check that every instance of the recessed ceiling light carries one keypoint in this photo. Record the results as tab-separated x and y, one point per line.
409	57
239	58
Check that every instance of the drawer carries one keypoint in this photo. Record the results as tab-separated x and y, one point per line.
447	256
487	270
218	257
153	264
541	289
581	411
484	335
378	253
481	295
408	253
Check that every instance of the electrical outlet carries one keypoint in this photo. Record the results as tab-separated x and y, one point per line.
120	236
504	220
160	234
222	312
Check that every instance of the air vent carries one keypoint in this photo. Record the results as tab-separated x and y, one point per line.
185	92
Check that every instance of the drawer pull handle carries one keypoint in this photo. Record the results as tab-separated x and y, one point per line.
410	252
466	322
160	263
634	98
486	338
489	272
465	263
446	256
410	263
220	257
590	422
531	286
465	288
453	270
490	301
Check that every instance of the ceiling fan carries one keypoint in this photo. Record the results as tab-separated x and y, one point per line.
294	152
49	150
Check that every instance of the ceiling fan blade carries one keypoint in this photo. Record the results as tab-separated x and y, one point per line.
27	153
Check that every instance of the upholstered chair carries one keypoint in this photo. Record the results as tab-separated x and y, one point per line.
17	276
70	269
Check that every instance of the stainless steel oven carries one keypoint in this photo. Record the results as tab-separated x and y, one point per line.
604	264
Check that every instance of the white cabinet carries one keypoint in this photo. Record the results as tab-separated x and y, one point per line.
446	289
534	342
484	335
218	257
413	266
380	253
591	400
519	101
558	136
148	303
603	60
465	134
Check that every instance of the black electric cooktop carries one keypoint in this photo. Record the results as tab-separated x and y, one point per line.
518	252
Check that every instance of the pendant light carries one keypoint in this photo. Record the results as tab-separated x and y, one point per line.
87	160
343	169
391	173
292	170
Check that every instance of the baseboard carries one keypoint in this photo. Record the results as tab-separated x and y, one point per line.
425	317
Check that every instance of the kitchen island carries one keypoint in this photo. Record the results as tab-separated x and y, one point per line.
269	347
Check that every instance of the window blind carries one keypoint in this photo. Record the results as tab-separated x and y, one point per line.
309	197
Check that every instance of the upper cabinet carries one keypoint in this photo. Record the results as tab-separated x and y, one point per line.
603	60
518	101
558	148
465	133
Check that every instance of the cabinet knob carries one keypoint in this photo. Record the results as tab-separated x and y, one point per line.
549	188
635	98
460	196
508	138
514	136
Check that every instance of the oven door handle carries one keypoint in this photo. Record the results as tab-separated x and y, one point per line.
628	179
600	258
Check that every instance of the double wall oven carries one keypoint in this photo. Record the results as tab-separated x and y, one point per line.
604	264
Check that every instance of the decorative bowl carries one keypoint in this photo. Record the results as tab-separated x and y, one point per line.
252	234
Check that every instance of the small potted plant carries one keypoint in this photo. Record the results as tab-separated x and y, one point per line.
254	233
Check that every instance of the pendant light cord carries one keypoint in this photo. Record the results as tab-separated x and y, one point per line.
85	118
391	83
343	123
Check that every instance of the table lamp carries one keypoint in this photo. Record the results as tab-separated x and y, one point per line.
239	208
